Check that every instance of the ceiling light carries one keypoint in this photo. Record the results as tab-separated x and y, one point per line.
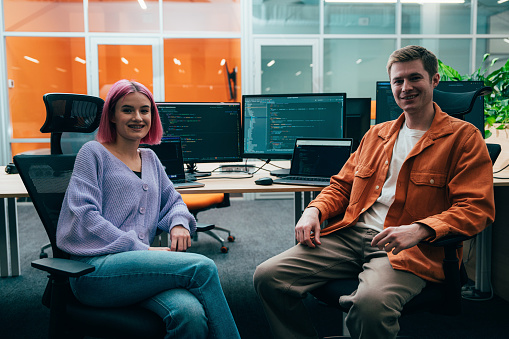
142	3
506	40
35	61
176	61
124	60
223	61
80	60
61	70
271	63
298	73
402	1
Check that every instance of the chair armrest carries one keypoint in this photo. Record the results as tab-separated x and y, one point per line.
449	240
63	267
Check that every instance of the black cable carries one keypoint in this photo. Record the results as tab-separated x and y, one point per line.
500	170
220	177
268	160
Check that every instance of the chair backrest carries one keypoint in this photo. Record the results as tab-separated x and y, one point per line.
73	114
46	178
494	151
458	104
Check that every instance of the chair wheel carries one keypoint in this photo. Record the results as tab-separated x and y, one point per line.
224	249
231	238
43	255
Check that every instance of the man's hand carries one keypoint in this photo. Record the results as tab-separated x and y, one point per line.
397	239
308	223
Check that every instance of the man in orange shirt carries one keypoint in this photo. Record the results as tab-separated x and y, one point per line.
420	177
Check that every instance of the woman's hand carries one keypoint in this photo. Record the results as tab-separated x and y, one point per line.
180	240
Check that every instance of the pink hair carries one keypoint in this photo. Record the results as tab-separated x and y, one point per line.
107	132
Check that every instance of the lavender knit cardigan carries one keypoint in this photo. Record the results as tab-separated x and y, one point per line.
108	209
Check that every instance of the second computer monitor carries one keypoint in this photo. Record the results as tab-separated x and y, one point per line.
358	119
272	123
210	131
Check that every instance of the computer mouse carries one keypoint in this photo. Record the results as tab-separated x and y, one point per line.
264	181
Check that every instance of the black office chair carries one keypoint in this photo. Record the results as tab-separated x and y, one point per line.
71	119
436	298
459	104
46	178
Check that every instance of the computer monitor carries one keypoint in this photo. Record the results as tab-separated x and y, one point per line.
210	131
387	109
358	119
272	123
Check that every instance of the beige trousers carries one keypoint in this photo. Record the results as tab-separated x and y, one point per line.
284	280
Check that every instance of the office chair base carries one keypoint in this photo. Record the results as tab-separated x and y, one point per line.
208	229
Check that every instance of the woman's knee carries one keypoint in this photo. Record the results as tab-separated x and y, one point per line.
205	266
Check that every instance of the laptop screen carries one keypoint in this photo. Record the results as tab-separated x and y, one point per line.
169	152
320	157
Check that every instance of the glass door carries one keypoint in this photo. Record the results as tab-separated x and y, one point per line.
138	59
286	66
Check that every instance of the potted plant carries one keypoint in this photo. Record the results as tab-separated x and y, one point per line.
496	105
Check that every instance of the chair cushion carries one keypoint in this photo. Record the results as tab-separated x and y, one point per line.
431	299
202	201
120	322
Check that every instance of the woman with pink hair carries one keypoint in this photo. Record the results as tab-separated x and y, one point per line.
119	197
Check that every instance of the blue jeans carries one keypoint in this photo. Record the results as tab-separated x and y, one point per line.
182	288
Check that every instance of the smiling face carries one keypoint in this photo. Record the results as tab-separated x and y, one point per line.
132	117
412	87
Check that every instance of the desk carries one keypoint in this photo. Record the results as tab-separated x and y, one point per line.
11	187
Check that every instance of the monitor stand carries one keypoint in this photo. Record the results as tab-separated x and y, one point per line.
192	170
281	172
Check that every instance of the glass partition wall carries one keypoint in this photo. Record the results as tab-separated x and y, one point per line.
181	50
188	50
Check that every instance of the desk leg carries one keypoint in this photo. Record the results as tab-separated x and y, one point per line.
9	243
13	236
483	260
4	232
297	206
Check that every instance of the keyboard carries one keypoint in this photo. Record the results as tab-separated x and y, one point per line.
183	183
296	177
301	180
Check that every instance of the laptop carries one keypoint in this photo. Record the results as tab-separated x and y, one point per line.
314	161
169	152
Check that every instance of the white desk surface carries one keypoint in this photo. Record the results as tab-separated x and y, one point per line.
11	185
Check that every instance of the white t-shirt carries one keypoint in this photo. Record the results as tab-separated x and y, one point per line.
374	217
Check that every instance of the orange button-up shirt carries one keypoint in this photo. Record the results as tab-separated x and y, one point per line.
446	182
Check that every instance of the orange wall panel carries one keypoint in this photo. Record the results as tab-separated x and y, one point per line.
38	66
193	70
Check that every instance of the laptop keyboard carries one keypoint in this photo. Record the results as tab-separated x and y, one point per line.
179	181
296	177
